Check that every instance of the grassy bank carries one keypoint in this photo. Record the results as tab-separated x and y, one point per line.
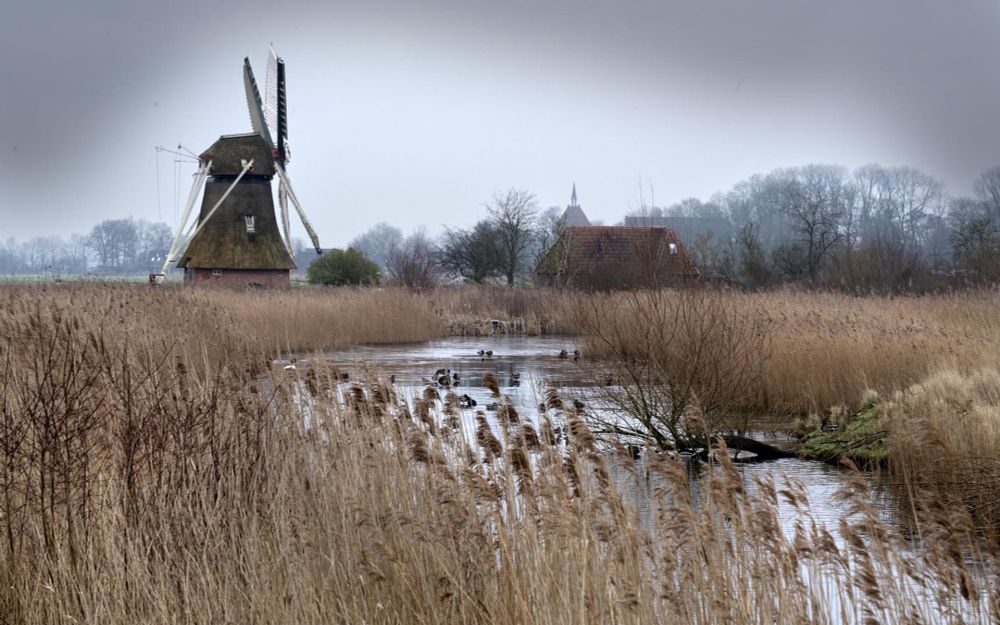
162	473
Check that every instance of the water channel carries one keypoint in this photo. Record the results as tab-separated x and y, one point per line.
525	366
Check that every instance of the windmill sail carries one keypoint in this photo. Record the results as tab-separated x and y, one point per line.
282	113
271	93
254	104
275	105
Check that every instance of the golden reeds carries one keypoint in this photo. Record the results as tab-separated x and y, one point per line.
944	437
825	349
163	471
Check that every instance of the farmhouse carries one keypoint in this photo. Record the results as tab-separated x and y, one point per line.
617	257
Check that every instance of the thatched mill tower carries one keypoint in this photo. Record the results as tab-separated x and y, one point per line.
238	239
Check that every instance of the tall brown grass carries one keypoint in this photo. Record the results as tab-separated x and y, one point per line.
820	349
944	436
305	319
826	349
469	309
162	473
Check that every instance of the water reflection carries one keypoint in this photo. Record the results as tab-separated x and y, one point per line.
524	366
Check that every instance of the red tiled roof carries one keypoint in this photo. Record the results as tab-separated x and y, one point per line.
597	245
618	257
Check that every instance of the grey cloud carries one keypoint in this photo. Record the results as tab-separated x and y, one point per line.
415	112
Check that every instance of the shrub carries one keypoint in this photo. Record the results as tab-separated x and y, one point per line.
348	267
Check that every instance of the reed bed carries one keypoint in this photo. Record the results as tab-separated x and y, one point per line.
821	349
469	309
148	478
944	437
818	349
299	320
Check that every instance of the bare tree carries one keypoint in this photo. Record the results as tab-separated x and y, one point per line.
378	242
893	227
988	190
413	263
754	270
975	237
551	225
153	245
471	254
10	256
815	199
513	214
114	242
677	366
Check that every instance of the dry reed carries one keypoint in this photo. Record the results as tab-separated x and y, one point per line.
161	473
299	320
825	349
945	437
821	349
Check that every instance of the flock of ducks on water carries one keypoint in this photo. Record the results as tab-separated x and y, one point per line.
446	378
563	355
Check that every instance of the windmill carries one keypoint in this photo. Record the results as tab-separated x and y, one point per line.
237	239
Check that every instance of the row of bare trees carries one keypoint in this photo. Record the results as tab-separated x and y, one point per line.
873	228
504	246
114	246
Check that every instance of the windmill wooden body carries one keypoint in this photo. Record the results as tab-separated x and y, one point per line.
238	239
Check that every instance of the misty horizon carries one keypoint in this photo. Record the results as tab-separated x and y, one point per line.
417	115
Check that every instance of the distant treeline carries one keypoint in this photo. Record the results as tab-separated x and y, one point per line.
113	247
872	229
876	228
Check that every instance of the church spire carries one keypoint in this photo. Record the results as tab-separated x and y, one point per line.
574	216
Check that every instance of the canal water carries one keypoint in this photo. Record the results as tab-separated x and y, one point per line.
526	366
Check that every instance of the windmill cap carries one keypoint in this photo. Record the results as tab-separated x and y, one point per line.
231	152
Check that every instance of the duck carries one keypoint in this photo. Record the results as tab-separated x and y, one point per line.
466	402
564	354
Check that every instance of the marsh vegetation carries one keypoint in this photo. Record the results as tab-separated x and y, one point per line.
158	466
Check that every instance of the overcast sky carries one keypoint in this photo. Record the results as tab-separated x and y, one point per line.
416	112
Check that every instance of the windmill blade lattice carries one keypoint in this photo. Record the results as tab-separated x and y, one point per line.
271	93
254	104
